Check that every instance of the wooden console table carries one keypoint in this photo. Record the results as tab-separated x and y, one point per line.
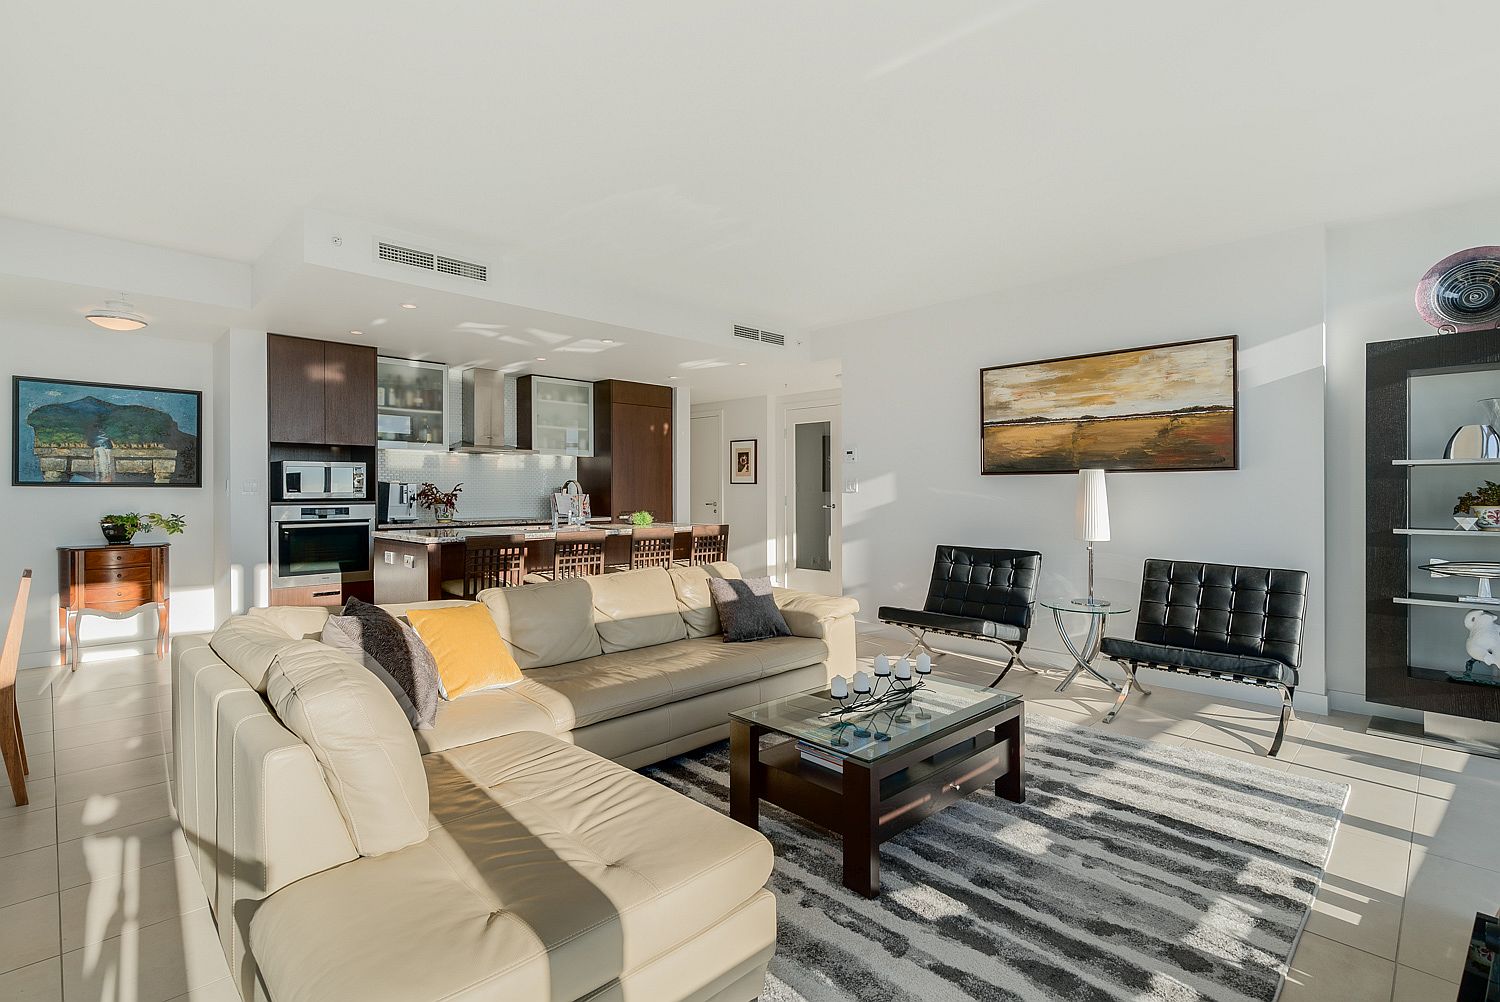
114	581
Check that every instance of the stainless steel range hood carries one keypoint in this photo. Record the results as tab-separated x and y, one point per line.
482	414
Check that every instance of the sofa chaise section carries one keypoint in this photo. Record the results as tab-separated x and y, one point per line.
549	873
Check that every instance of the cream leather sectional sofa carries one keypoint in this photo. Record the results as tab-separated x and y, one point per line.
508	853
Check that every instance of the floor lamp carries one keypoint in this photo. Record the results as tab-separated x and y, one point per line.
1093	523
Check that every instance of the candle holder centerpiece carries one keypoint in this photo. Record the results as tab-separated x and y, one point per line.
888	691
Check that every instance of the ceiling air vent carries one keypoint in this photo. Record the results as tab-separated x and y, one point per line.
428	261
463	269
752	334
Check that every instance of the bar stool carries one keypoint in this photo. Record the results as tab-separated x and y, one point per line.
577	553
490	562
651	546
710	544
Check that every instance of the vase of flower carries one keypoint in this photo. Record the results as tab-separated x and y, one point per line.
442	504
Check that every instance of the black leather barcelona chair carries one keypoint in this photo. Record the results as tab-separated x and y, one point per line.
977	593
1224	621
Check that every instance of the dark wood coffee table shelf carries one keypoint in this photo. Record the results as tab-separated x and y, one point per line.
974	736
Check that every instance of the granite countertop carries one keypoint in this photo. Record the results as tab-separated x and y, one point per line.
457	532
467	523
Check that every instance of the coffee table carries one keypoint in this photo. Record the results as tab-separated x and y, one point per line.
912	762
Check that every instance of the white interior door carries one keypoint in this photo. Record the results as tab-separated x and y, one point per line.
706	469
813	546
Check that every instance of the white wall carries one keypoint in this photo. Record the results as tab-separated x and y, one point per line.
241	486
747	508
1373	270
39	519
911	410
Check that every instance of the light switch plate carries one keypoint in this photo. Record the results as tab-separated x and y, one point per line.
390	557
409	560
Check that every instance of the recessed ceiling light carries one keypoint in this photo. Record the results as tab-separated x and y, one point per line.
742	363
358	333
116	315
674	377
408	306
607	340
541	358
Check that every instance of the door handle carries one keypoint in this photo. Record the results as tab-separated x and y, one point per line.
829	507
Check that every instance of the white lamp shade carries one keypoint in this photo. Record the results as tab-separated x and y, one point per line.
1093	507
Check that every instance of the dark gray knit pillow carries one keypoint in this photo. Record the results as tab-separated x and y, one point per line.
747	609
394	654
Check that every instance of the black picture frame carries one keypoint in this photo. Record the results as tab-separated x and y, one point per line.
750	446
187	442
1233	459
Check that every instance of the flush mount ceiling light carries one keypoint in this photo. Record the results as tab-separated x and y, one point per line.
358	333
541	358
116	315
408	306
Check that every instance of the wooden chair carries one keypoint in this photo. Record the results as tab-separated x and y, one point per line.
578	553
710	544
651	546
12	744
490	562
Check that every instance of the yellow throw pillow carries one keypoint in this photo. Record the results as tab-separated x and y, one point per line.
469	651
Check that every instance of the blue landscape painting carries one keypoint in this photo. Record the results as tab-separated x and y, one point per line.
97	434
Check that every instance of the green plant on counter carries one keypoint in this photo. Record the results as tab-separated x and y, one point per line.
1487	495
123	527
641	518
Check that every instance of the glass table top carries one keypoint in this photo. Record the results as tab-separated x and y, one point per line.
938	706
1069	603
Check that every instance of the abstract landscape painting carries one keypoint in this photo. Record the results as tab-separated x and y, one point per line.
104	435
1166	407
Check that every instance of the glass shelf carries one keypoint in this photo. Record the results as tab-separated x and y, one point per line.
1482	533
1437	601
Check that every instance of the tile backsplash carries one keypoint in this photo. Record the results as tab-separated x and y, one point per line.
499	485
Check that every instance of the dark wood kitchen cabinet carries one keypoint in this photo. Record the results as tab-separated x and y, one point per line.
631	468
320	392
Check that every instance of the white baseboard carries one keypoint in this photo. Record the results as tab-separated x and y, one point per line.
91	652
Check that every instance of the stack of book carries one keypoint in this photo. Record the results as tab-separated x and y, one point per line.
820	757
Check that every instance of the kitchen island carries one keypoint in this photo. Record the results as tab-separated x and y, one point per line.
413	561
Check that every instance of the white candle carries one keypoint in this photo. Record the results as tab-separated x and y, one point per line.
903	669
882	666
924	664
839	687
861	682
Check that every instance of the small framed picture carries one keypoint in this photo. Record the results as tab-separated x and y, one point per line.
744	462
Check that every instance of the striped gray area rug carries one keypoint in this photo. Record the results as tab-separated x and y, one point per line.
1135	870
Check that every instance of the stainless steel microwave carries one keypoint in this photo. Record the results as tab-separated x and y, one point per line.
304	480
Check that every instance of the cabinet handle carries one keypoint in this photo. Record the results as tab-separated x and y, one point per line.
324	594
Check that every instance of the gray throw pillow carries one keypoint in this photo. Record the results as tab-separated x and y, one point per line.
394	654
747	609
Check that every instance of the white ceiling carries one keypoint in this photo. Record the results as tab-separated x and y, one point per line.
448	327
808	163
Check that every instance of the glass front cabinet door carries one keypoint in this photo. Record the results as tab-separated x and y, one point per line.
411	402
555	416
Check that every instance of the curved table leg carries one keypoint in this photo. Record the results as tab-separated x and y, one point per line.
1083	659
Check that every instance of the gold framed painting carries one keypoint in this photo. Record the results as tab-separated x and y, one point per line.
1161	407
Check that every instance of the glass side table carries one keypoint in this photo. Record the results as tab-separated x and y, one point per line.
1083	656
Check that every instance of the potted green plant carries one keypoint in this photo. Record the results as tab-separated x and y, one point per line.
641	518
440	503
1483	503
122	528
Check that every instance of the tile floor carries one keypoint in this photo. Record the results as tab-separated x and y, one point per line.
99	903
